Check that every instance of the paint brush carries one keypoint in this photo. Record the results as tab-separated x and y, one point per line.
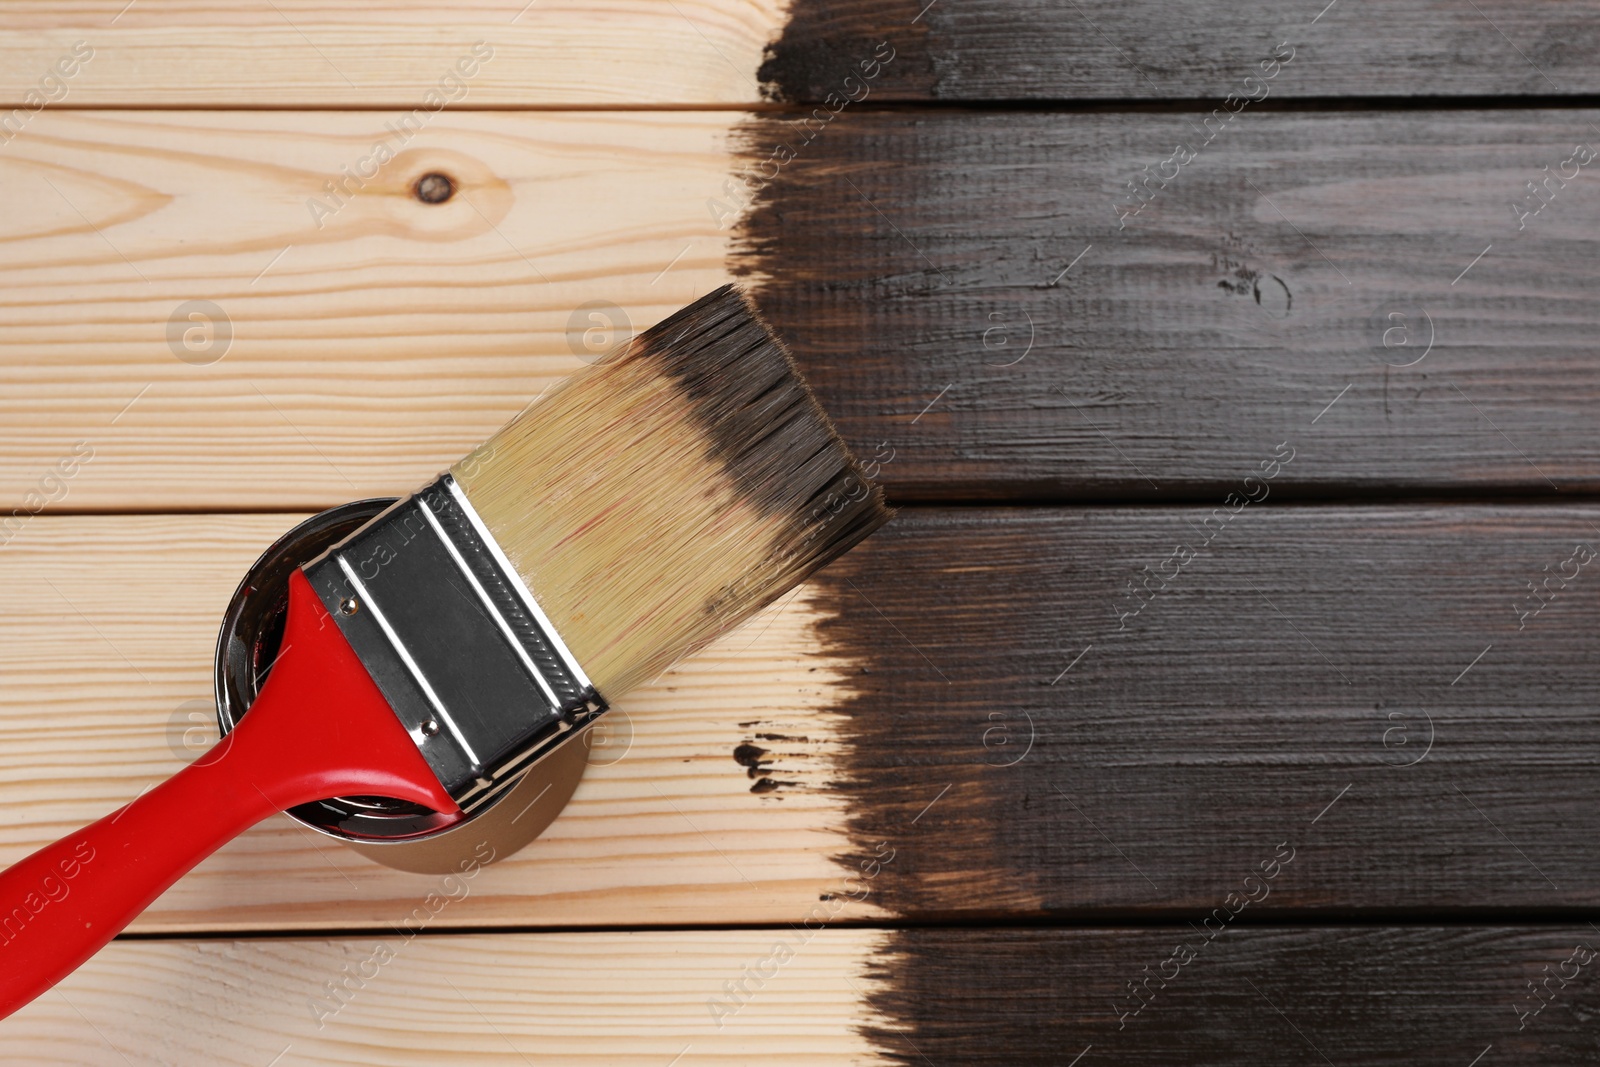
640	509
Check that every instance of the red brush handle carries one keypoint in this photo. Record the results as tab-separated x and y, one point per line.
320	728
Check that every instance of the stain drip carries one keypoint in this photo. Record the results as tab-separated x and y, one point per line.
757	763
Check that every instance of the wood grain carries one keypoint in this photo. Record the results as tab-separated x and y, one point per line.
960	286
187	53
363	349
1347	683
1420	994
506	1000
107	626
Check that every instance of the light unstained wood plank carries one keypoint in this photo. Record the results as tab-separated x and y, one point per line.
367	54
637	1000
365	352
107	626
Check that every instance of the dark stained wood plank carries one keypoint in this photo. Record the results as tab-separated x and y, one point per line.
1376	996
1298	260
982	50
1342	695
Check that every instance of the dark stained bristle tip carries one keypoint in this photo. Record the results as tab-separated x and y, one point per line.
764	421
779	444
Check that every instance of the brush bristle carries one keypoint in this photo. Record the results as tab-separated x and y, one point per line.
661	497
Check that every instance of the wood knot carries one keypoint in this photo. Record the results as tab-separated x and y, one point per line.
434	188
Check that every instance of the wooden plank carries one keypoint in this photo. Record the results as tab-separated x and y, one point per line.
1251	995
501	1000
962	285
1370	995
383	346
1153	49
180	53
162	53
107	626
963	718
1122	711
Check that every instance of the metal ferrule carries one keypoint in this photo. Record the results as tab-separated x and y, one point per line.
455	641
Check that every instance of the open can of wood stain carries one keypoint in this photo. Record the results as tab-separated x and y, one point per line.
393	832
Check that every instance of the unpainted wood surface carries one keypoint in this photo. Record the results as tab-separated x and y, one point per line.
107	625
172	299
298	53
634	999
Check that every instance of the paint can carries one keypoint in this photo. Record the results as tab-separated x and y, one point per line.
392	832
